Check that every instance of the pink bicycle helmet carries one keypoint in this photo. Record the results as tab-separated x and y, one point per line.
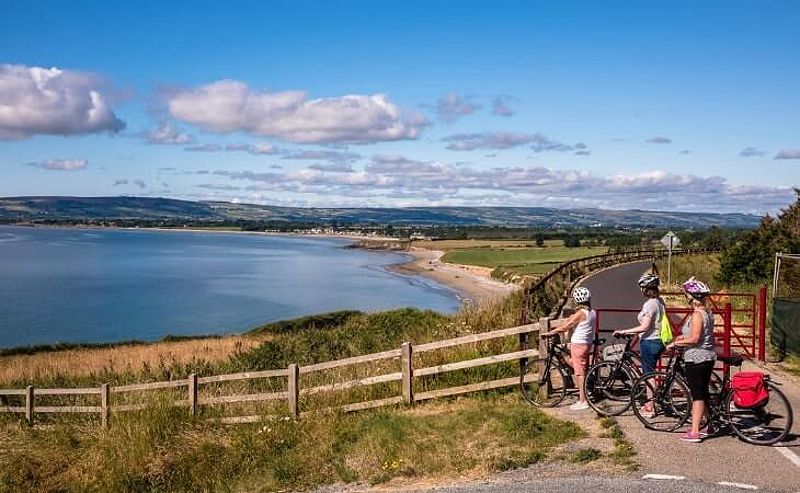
696	289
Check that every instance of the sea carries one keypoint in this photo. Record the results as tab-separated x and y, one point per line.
108	285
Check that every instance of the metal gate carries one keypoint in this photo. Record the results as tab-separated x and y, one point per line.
739	321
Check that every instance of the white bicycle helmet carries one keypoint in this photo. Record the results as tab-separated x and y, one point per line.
581	295
696	289
649	280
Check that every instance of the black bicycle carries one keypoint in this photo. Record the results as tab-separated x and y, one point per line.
555	379
668	394
609	383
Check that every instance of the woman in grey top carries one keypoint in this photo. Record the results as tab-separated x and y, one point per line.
697	337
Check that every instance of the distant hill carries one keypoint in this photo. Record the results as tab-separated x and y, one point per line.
144	208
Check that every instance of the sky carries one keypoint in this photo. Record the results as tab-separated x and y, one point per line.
688	106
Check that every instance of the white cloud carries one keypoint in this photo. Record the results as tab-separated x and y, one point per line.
452	107
788	154
330	156
333	167
36	100
752	152
232	106
508	140
61	164
500	106
262	148
140	183
167	134
396	180
204	148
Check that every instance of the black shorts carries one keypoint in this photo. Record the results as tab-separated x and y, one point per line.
697	376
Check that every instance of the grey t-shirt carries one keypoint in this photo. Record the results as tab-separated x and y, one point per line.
653	308
704	349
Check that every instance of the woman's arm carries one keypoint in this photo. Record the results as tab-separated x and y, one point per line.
694	337
570	324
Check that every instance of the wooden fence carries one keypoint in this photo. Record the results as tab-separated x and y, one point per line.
549	294
405	374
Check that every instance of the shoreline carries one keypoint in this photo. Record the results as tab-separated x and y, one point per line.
473	285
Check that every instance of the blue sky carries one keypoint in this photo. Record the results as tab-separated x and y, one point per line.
672	105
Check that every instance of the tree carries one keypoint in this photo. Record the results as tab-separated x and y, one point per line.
750	260
539	239
572	241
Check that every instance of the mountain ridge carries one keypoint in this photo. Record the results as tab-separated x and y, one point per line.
71	208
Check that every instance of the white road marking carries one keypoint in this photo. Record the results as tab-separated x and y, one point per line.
743	486
661	477
789	455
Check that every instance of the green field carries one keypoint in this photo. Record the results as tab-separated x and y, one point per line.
497	257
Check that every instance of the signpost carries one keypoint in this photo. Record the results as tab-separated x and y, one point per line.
670	240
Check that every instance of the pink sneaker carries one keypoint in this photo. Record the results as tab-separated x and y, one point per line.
692	437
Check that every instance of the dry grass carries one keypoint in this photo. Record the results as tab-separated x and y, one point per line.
124	358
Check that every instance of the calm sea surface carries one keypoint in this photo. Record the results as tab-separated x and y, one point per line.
72	285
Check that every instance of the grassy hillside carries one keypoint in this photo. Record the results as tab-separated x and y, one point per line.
145	208
162	449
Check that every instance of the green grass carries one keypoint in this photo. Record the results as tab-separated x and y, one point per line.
586	455
623	454
495	257
162	450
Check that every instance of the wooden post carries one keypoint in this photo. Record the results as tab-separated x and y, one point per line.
192	394
544	326
29	404
407	369
104	408
523	345
293	388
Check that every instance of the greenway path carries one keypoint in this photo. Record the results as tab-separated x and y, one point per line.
719	459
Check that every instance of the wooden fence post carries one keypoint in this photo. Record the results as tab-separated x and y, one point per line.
29	404
407	369
192	394
544	326
293	388
104	408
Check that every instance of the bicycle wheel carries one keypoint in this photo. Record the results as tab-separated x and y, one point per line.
608	388
763	425
552	385
661	402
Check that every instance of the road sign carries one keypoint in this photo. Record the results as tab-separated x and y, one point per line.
670	240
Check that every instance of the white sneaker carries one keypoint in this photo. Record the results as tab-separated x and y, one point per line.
579	406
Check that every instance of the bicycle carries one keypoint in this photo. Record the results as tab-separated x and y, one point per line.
609	383
554	378
761	425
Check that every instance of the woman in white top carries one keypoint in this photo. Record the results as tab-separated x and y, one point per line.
583	321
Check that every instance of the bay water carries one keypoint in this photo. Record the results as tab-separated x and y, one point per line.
110	285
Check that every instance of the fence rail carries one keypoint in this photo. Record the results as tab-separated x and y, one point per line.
194	399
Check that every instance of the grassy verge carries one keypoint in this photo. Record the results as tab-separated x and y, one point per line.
162	450
623	454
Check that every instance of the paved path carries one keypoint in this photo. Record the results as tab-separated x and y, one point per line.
717	459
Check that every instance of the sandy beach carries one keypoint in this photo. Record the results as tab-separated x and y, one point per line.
473	283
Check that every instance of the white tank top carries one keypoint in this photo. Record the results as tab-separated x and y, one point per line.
584	331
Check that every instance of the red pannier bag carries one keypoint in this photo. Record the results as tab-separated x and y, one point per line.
749	390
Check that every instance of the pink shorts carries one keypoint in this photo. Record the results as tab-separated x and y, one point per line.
580	358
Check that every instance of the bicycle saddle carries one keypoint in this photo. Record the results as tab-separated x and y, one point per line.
733	359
